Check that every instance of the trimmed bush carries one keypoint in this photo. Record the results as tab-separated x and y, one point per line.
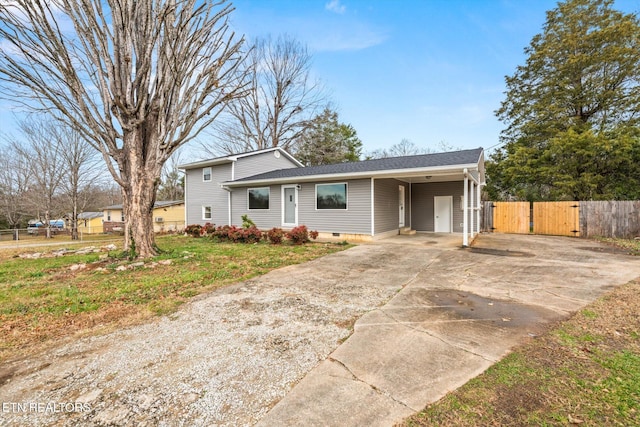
193	230
300	235
207	229
235	234
275	235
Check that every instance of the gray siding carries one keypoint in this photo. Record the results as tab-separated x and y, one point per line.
355	219
422	208
386	203
263	218
260	163
207	193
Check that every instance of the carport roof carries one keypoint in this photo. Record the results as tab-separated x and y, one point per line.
418	163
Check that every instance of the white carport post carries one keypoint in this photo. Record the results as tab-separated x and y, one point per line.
465	210
478	207
472	206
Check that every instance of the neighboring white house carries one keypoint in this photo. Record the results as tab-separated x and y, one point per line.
361	200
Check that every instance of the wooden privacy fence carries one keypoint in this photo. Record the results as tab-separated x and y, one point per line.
556	218
511	217
580	219
610	219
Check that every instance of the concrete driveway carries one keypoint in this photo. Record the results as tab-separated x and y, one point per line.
277	350
461	312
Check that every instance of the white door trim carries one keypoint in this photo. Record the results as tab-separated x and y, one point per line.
295	201
444	199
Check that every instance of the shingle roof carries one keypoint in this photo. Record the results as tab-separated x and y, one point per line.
453	158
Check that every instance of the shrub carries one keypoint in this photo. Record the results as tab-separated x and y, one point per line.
193	230
221	233
246	222
235	234
313	234
252	234
275	235
207	229
298	235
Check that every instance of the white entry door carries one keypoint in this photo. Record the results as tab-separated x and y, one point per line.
442	210
401	205
289	205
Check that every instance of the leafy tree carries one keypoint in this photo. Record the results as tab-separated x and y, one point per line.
137	79
325	140
572	110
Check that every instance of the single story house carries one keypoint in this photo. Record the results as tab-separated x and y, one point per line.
167	216
363	200
90	222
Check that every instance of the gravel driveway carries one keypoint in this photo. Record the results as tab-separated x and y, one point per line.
224	359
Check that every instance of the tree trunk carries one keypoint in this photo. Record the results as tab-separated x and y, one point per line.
74	216
141	171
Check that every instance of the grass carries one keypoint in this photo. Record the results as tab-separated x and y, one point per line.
585	371
632	245
43	299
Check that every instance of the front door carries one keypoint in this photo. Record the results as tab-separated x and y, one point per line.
401	205
442	209
289	206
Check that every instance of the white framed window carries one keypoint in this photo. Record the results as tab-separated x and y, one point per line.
207	212
258	198
108	215
331	196
122	217
206	174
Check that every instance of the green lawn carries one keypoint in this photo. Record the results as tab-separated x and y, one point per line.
44	298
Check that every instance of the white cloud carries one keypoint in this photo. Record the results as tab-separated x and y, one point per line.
335	6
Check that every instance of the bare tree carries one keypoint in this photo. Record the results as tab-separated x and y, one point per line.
41	153
406	147
283	97
14	184
172	185
81	163
137	79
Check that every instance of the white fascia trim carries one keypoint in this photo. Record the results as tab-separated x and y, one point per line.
204	163
390	173
266	150
228	159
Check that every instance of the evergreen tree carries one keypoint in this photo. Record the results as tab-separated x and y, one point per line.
572	110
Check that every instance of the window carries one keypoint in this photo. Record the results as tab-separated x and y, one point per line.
108	215
206	174
206	212
331	196
258	198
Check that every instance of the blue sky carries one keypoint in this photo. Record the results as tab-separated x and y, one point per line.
430	71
